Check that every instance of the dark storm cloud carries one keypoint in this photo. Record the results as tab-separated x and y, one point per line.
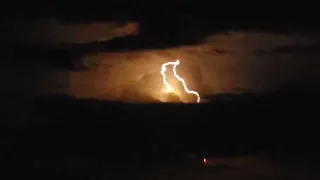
228	61
313	48
260	52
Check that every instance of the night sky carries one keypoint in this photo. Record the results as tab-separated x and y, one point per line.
256	68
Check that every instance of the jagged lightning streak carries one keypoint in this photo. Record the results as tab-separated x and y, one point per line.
168	86
183	83
163	70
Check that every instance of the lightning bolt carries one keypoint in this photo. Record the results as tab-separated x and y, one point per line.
168	86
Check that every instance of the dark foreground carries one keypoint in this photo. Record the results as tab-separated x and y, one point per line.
66	138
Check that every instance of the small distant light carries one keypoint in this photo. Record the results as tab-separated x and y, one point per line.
204	160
